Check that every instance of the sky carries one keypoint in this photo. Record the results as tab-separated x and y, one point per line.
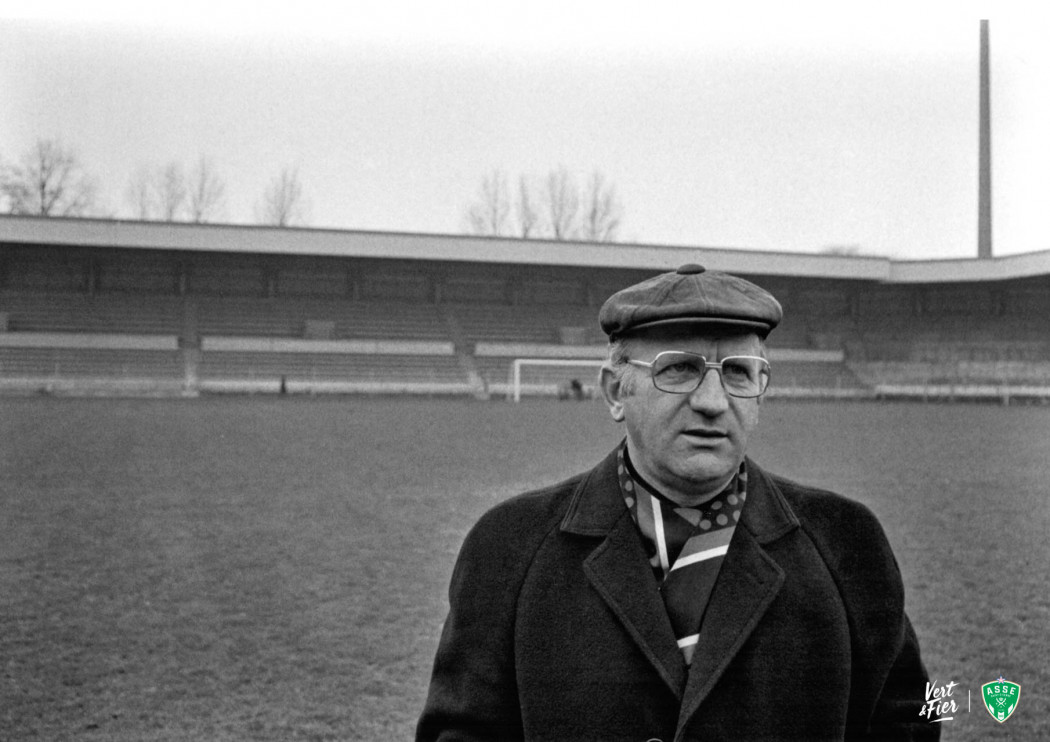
799	130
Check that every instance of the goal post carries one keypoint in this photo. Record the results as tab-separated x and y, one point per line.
553	372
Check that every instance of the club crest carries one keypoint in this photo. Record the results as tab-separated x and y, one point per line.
1000	698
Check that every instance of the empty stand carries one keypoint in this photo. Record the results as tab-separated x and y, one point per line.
794	375
790	334
66	312
341	366
121	341
527	323
91	363
912	373
288	317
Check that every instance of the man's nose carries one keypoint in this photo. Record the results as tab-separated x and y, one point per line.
710	397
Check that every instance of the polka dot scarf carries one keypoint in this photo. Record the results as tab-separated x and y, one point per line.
685	545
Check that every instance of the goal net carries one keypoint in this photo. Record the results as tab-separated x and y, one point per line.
554	377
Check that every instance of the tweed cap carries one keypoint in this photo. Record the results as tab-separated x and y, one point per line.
690	295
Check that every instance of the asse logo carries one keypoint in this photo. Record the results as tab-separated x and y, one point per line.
1000	698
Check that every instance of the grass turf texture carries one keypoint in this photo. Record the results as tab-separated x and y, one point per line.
275	569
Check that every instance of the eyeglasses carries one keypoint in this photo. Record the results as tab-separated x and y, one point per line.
679	372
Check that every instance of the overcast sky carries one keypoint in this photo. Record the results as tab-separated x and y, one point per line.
758	129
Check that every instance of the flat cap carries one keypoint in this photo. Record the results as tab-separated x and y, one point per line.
690	295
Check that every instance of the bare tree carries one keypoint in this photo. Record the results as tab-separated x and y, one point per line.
165	193
556	210
282	201
170	192
139	194
602	211
528	218
10	188
490	214
158	193
563	203
207	193
50	181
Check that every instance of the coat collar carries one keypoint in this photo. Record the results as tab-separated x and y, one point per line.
767	515
597	505
618	569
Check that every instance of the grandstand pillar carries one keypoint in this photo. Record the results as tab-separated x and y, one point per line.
189	337
191	365
189	342
182	280
269	282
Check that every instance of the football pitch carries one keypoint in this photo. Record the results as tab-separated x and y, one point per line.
275	568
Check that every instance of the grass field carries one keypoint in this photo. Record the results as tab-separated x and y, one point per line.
275	568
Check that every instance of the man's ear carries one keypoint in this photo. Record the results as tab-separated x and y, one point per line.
612	392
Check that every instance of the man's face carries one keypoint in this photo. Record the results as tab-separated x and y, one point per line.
684	444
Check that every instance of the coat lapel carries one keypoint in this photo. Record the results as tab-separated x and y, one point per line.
619	570
747	584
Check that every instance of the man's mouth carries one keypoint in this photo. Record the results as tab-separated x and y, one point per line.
706	433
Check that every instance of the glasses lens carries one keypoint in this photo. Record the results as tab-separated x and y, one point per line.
677	372
745	376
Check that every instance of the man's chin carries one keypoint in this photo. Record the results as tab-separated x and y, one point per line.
706	466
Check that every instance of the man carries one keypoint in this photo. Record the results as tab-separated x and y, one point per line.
677	591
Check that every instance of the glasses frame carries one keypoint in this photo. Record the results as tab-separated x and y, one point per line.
707	366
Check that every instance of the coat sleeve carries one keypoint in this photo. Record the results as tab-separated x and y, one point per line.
473	693
896	712
888	679
889	676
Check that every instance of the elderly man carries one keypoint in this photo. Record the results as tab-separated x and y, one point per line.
677	591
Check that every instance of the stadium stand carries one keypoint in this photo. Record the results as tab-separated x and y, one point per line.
94	306
289	317
332	372
90	370
823	378
56	363
527	323
70	312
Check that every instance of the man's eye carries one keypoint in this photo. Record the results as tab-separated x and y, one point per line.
678	368
737	371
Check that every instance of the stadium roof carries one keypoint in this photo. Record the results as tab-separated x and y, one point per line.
25	230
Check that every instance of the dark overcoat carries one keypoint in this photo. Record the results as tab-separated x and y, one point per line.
557	631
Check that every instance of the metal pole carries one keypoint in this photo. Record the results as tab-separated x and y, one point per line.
984	187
